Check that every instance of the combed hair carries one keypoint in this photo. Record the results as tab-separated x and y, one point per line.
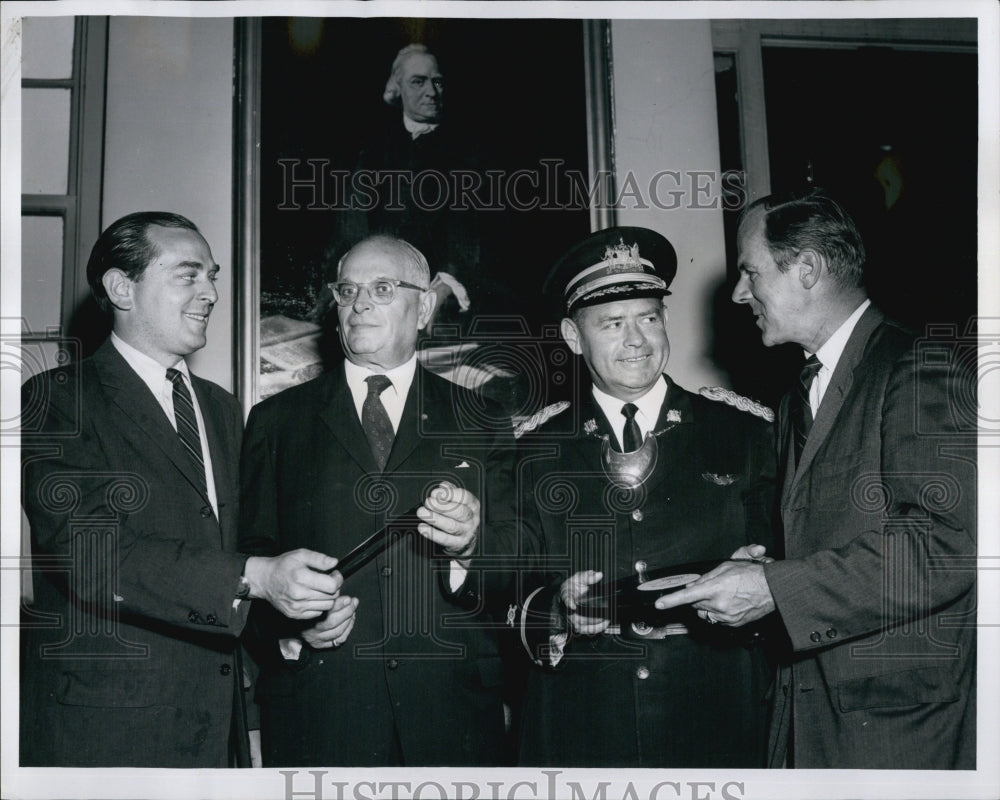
124	245
812	220
391	93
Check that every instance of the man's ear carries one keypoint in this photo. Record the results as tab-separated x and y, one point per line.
571	335
119	288
812	265
428	300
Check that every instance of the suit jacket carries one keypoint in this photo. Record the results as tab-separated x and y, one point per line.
418	681
630	700
878	592
128	648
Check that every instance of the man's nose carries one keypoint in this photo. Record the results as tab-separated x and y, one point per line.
208	293
741	292
633	335
364	299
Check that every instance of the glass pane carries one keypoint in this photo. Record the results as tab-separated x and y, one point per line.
47	47
41	272
44	141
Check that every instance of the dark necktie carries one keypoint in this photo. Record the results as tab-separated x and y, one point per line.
187	425
799	408
632	438
375	420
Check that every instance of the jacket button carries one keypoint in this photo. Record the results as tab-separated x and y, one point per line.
642	673
210	619
206	511
386	572
637	515
392	663
814	636
193	616
831	634
225	669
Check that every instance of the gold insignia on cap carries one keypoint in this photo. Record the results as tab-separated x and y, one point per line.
622	256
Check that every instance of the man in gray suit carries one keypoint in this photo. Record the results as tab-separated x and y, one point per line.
878	504
129	655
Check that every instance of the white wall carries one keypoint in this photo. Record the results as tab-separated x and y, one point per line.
168	143
665	119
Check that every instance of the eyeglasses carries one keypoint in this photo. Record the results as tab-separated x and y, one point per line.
381	291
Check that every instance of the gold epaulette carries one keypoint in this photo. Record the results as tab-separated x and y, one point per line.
739	401
539	418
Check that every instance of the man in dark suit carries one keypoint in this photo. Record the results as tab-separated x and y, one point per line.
878	502
130	486
631	484
327	463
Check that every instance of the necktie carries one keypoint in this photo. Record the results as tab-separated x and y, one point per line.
375	420
632	438
187	425
799	409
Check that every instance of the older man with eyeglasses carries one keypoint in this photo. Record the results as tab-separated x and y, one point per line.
415	679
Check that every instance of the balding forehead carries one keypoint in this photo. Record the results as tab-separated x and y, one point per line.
395	252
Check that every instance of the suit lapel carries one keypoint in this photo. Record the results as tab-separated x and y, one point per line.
338	413
132	397
416	413
218	444
840	384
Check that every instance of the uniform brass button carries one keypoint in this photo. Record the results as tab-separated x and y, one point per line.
210	619
225	669
206	511
831	634
392	663
814	636
637	515
193	616
386	572
642	673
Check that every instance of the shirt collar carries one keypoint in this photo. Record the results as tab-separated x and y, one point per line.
152	372
401	376
418	128
649	406
829	354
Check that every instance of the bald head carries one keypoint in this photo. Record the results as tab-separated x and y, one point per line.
411	261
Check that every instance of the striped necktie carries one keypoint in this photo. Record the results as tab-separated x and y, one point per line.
799	408
187	425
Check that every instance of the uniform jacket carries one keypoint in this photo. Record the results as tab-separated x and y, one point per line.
419	678
878	593
128	648
693	700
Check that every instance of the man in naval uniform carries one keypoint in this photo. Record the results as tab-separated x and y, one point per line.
637	477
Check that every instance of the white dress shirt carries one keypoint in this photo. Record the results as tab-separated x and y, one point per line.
649	406
829	354
392	397
154	375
